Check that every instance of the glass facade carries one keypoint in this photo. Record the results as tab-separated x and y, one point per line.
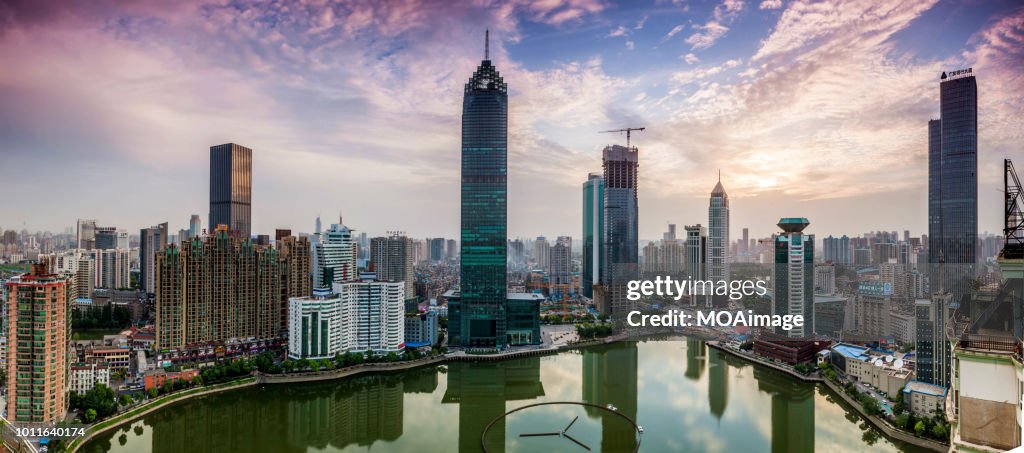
953	185
231	188
718	235
794	274
620	262
480	319
593	230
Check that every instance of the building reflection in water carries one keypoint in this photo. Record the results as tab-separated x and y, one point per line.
610	377
338	414
694	359
481	390
718	383
792	411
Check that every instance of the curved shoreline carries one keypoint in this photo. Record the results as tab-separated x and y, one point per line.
888	431
152	406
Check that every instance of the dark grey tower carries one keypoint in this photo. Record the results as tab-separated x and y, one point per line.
953	184
480	319
231	188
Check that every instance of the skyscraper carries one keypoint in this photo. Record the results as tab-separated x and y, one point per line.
393	261
38	331
593	232
479	320
86	234
718	235
195	226
231	188
560	263
953	184
541	253
151	241
621	241
793	274
334	257
696	260
437	250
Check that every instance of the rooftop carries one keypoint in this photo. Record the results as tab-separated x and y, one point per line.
850	351
925	388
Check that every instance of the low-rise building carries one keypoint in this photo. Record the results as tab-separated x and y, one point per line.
85	376
885	372
117	358
421	329
157	378
923	399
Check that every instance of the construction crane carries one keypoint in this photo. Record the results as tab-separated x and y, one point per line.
627	130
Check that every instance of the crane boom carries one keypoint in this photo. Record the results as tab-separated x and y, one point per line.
627	130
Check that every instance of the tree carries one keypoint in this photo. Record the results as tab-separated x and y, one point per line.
152	393
919	428
940	431
125	400
90	415
901	421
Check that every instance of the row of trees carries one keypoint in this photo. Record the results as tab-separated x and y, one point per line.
100	402
106	317
588	330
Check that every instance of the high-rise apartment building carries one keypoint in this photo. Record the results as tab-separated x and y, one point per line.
152	240
953	185
793	274
393	261
593	232
334	257
479	319
296	272
217	288
541	253
38	331
620	262
113	269
85	234
718	235
437	253
560	265
231	188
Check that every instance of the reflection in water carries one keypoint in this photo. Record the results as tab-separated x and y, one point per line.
718	384
694	359
416	411
481	390
792	410
609	377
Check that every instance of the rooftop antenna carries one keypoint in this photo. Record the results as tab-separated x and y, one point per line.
487	44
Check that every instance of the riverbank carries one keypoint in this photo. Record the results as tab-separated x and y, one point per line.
888	430
159	403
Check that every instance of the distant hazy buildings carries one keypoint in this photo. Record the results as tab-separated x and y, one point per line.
479	319
620	260
86	234
231	188
560	273
541	252
953	184
718	235
793	274
38	333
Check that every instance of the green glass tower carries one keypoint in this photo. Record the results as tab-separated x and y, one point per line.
593	231
479	319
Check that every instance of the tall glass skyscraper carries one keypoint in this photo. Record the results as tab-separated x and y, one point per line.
718	234
619	264
231	188
953	185
593	231
479	320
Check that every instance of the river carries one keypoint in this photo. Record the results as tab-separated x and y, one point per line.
686	397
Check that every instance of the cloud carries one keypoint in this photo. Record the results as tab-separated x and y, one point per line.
690	58
770	4
674	31
710	32
620	31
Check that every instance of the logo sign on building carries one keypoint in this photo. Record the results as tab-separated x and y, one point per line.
874	288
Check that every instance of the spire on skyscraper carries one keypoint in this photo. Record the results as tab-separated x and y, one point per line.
487	44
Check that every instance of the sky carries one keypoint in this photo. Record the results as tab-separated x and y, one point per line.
810	109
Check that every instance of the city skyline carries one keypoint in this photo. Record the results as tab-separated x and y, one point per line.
690	74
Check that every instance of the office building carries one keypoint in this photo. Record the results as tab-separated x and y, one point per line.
593	232
195	226
718	235
452	247
874	308
541	253
953	185
231	189
620	262
793	273
480	318
825	278
113	269
437	253
38	332
108	238
421	329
